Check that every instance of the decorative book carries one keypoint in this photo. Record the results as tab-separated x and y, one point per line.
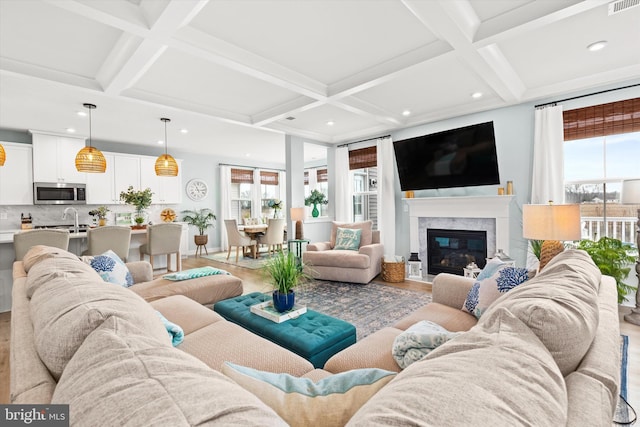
266	310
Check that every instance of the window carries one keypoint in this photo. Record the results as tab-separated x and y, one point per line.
241	182
321	184
270	193
363	164
602	147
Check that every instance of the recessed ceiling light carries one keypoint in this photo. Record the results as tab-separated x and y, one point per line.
406	113
248	155
160	142
599	45
476	95
71	130
184	130
330	123
81	113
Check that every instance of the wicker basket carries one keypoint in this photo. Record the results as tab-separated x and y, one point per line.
393	272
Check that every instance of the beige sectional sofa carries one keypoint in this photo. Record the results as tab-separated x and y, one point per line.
546	353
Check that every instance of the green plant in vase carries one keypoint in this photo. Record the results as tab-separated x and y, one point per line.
316	198
140	199
201	219
612	256
101	213
285	272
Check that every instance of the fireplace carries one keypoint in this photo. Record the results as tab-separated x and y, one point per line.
449	251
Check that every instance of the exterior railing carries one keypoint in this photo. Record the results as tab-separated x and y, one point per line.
621	228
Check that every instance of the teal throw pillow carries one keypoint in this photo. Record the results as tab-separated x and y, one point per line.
112	269
348	238
194	272
331	401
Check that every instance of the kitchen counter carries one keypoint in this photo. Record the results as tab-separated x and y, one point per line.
6	236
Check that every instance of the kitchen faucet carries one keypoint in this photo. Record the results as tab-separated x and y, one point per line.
75	218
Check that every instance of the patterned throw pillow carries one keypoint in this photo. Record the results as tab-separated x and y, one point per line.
111	268
332	401
487	289
348	238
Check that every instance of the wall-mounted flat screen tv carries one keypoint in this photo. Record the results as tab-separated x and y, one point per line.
460	157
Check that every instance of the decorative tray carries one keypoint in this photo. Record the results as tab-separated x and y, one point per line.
266	310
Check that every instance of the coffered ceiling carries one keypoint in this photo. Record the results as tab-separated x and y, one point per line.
240	74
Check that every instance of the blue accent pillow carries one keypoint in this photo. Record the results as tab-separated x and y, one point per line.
348	238
331	401
112	269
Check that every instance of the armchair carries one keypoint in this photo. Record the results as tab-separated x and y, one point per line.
361	266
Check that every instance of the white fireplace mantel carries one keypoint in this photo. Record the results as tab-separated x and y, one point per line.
496	207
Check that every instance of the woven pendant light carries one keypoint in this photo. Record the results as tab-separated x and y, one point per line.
166	165
3	155
90	159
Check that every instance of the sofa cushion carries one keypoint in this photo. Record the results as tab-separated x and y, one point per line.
331	401
560	306
339	258
347	238
488	289
111	268
123	377
40	252
495	375
366	227
54	266
65	310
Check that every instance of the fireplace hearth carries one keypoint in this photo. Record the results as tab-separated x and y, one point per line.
450	251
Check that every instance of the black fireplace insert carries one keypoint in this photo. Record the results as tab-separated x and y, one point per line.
450	251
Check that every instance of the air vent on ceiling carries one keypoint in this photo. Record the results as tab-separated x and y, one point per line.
622	5
293	118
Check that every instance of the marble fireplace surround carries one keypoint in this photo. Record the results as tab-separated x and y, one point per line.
488	213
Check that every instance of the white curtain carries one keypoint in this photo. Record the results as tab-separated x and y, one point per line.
225	202
282	189
343	199
256	195
386	194
547	182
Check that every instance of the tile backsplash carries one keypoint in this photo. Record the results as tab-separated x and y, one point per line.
52	214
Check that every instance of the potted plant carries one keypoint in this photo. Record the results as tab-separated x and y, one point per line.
141	199
611	256
284	271
201	219
316	198
101	213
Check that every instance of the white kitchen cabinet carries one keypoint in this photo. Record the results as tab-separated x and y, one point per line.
122	171
54	158
166	189
16	176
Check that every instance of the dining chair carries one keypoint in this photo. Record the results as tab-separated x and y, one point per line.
251	221
114	237
238	240
163	239
24	240
274	235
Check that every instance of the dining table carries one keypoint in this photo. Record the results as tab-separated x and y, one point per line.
253	231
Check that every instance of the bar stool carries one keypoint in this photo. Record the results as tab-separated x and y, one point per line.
109	237
163	239
24	240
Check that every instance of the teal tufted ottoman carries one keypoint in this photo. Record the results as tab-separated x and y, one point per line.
314	336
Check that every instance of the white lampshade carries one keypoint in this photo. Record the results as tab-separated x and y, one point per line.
630	191
297	214
551	222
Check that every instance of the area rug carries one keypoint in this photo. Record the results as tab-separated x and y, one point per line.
245	262
625	414
368	307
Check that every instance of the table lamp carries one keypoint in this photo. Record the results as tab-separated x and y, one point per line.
551	223
297	215
631	195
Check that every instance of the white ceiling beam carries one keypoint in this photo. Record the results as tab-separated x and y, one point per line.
365	109
287	109
299	132
451	25
17	68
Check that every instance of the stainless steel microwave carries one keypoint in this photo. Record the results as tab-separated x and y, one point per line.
59	193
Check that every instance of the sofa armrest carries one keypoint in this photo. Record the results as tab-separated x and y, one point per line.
319	246
374	251
141	271
451	289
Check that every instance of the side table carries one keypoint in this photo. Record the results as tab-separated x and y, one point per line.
297	243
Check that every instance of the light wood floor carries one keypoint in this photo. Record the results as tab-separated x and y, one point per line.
252	281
